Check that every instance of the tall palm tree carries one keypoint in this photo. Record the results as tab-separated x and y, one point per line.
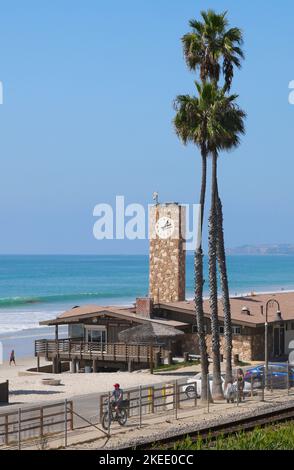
209	47
212	47
190	126
229	125
213	122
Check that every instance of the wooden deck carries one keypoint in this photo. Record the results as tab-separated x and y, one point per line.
67	350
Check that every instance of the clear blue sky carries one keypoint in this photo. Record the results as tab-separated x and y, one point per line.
88	91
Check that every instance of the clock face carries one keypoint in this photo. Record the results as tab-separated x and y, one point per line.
164	227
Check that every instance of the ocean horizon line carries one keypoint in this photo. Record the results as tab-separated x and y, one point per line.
146	254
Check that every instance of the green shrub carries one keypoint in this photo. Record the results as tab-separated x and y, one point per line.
279	437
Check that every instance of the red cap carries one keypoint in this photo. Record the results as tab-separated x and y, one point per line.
116	385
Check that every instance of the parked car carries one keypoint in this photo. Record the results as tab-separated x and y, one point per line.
277	374
190	389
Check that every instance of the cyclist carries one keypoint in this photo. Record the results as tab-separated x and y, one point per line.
117	396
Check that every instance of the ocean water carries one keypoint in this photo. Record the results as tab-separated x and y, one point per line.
36	288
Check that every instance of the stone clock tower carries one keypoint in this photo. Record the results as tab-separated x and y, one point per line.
167	258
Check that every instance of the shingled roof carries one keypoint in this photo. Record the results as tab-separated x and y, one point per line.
252	303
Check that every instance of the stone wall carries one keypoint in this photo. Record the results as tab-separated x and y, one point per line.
248	347
258	344
167	258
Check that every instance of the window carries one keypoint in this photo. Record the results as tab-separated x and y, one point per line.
95	334
195	329
236	330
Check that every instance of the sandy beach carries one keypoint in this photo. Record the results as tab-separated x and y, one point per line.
28	388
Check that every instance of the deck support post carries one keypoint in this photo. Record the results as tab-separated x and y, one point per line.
56	365
130	365
157	359
73	366
95	365
56	338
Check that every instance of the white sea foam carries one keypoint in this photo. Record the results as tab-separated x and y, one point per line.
19	320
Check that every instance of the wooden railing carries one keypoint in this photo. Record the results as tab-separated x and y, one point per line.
100	351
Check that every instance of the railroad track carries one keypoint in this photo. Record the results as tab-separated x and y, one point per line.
224	429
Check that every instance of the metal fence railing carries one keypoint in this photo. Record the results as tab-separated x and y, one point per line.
30	423
172	399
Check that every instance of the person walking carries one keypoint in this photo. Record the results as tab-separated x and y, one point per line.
240	384
12	358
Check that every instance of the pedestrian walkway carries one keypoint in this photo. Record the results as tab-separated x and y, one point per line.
157	426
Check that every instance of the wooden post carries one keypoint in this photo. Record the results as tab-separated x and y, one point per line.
151	399
7	391
6	430
186	356
65	423
151	359
41	422
262	386
56	339
157	359
73	366
208	393
46	349
109	414
128	409
288	378
176	399
71	416
140	406
19	429
178	396
101	408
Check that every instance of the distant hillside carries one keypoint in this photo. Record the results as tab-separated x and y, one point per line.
282	249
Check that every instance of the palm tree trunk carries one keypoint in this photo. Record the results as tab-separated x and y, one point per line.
200	320
217	392
221	256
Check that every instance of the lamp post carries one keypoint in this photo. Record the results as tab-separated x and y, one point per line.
270	303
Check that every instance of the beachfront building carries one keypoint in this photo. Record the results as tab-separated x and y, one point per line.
94	338
121	338
163	324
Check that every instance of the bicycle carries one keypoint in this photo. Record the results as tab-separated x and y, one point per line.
118	412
